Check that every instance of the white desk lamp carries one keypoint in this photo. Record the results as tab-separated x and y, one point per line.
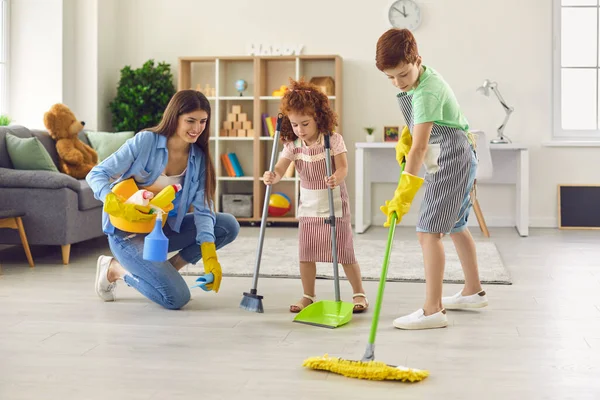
485	90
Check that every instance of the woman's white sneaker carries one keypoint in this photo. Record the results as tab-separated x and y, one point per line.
104	289
458	301
418	320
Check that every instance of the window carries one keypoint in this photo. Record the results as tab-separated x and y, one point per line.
576	69
4	15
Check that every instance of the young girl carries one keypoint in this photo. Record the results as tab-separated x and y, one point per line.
174	152
307	117
441	141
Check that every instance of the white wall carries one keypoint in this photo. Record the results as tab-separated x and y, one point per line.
80	68
53	57
36	58
108	58
513	46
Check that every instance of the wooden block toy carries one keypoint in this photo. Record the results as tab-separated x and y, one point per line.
247	125
237	125
228	125
224	132
231	117
250	133
241	132
236	109
242	117
198	88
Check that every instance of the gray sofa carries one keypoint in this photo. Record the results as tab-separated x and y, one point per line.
59	210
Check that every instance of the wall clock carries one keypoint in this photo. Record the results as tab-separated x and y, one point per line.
405	14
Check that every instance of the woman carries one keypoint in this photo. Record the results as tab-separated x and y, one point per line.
174	152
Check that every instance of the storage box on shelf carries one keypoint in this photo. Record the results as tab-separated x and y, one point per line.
245	94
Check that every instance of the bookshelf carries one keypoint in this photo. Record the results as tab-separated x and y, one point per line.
216	77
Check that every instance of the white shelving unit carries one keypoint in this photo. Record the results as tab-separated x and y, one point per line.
264	75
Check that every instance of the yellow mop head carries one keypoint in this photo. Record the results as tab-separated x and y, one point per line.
373	370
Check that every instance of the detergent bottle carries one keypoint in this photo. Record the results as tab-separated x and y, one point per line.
165	196
141	198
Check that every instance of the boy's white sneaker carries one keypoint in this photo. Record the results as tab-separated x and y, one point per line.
418	320
104	288
458	301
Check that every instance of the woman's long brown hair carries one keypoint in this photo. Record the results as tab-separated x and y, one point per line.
185	102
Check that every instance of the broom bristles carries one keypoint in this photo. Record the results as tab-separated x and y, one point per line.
252	302
372	370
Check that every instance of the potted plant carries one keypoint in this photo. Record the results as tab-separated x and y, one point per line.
142	96
370	136
5	120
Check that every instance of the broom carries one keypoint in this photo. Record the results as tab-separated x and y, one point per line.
368	368
251	300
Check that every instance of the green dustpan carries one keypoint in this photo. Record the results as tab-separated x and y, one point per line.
326	313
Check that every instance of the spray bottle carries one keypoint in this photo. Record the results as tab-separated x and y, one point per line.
156	244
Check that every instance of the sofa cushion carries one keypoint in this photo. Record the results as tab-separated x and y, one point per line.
48	142
16	130
28	154
86	197
83	137
106	143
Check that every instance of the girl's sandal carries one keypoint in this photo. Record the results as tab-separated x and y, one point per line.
358	308
296	308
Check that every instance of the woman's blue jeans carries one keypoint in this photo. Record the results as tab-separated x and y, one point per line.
160	281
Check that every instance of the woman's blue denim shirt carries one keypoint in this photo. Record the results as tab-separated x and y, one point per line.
143	158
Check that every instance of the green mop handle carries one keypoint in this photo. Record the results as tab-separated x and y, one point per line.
384	269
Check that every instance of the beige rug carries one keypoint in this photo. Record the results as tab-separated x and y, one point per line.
280	259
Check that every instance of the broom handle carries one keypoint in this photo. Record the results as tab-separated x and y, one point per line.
265	212
331	221
384	269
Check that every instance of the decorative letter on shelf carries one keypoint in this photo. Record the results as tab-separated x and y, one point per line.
257	49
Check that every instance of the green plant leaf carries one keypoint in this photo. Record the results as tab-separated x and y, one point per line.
142	96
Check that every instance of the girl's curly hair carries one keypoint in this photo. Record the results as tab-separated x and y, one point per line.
307	99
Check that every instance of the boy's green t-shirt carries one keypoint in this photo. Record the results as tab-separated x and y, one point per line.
433	101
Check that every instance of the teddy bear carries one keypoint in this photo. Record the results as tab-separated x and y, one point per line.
75	157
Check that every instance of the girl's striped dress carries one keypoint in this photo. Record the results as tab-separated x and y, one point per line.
313	205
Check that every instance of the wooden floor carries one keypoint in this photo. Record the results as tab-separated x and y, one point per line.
538	339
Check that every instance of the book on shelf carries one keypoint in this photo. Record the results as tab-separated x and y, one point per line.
265	129
227	165
232	165
237	167
269	125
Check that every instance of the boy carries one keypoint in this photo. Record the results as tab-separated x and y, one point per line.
441	141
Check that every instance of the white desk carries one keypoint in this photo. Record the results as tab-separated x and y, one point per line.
376	162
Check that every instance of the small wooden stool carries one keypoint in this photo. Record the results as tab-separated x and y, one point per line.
12	219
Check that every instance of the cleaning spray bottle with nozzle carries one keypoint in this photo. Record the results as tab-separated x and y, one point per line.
156	244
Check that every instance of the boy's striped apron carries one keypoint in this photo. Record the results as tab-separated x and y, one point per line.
448	163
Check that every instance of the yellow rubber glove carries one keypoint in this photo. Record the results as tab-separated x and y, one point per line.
407	188
114	206
403	146
211	265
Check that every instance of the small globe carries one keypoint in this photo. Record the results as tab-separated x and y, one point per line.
241	85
